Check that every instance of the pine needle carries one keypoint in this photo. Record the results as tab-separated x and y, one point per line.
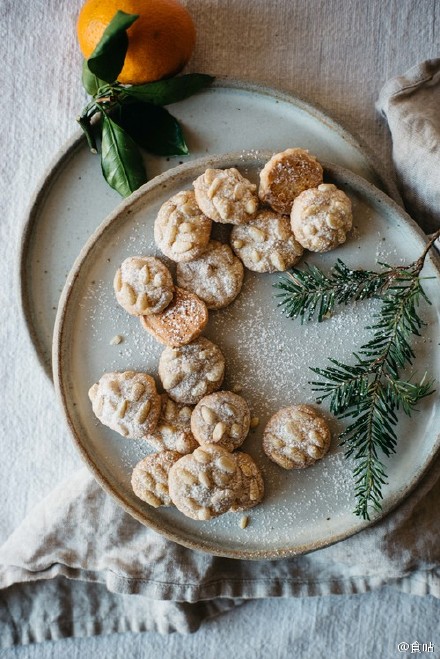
371	391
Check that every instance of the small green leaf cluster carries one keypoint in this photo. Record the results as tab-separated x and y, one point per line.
371	391
130	116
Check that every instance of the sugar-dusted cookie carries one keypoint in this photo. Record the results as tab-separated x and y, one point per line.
226	196
321	218
192	371
149	479
143	285
181	322
205	483
266	243
221	418
296	436
126	402
173	431
181	231
285	176
216	276
253	483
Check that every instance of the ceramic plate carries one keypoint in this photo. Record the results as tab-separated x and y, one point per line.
266	353
74	199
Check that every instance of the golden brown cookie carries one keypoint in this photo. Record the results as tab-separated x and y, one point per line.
253	483
181	322
321	218
205	483
173	431
266	243
143	285
226	196
126	402
285	176
192	371
216	277
221	418
181	231
149	479
296	437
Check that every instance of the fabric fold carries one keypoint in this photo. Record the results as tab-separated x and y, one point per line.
79	565
410	104
80	533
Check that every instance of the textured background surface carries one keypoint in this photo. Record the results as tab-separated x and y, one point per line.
337	54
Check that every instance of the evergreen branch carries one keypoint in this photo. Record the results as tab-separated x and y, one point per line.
310	292
370	392
407	394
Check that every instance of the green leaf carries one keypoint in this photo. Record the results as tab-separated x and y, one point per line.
153	128
121	160
87	128
171	90
107	59
91	83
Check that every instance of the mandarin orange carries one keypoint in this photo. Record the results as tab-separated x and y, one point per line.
160	41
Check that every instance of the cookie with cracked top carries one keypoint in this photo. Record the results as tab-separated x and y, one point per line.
285	176
181	322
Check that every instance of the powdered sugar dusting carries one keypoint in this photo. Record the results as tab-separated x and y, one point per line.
267	359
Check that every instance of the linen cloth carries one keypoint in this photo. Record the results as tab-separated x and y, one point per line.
314	49
410	103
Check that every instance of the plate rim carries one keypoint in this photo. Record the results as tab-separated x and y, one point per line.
57	359
77	140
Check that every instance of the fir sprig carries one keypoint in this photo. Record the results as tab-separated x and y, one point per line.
371	391
310	293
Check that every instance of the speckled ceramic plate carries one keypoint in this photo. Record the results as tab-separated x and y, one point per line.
74	199
267	354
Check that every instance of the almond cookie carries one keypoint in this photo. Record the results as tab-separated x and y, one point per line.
216	276
222	418
143	285
126	402
181	322
296	436
321	218
253	484
192	371
149	479
266	243
181	231
285	176
173	431
205	483
226	196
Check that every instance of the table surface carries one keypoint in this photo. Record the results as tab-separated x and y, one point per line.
336	54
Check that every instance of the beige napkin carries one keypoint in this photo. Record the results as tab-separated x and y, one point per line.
79	565
411	104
